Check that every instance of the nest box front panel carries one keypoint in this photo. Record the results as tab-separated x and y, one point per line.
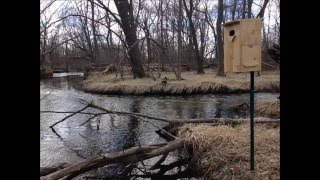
250	45
251	58
232	46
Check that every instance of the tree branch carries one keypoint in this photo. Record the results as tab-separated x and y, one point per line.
46	95
131	155
47	6
174	121
69	116
108	10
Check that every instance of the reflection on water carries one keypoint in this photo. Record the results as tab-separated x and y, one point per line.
112	133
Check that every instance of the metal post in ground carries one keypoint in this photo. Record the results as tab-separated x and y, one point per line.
251	122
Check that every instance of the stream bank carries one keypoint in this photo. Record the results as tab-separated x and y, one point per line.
191	84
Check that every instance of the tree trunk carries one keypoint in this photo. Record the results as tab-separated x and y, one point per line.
148	40
161	34
87	40
129	29
87	36
96	48
202	41
199	58
214	32
234	9
249	8
109	34
173	22
44	47
66	58
220	70
225	14
179	39
244	5
261	13
190	49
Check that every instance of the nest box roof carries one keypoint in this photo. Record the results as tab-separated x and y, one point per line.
231	23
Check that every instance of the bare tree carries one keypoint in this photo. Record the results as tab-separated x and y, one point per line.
45	31
179	39
210	23
94	34
129	27
148	40
199	58
244	4
161	33
220	71
249	8
234	9
263	8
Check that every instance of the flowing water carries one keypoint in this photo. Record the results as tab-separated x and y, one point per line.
112	133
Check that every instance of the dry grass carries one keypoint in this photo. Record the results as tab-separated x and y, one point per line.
223	152
263	108
192	84
268	108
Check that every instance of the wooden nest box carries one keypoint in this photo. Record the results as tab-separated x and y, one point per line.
242	45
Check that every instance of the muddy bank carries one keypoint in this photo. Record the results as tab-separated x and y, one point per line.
223	152
192	84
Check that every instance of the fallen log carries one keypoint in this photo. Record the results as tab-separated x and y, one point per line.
131	155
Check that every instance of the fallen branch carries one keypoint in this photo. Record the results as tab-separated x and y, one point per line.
158	163
88	120
46	95
160	129
179	163
131	155
174	121
74	113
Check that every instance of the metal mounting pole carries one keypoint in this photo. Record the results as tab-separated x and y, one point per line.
251	121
